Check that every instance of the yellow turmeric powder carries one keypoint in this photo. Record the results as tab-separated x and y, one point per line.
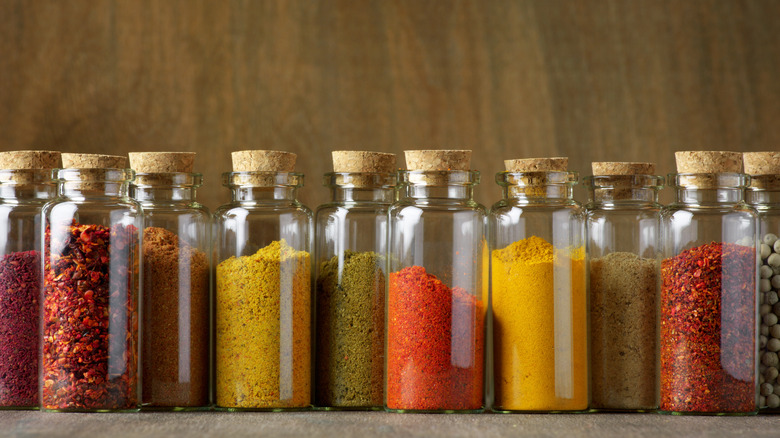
539	318
263	329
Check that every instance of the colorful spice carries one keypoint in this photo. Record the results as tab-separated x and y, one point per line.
263	329
623	331
435	348
708	329
176	318
19	316
539	327
350	331
769	312
90	325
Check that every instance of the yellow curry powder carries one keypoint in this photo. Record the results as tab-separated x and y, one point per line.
263	329
539	317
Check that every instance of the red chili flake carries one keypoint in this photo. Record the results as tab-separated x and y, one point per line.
708	330
20	288
435	347
90	318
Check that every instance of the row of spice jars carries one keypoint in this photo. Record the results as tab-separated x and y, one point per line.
438	262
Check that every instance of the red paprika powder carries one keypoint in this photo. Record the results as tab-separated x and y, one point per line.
435	348
90	318
708	330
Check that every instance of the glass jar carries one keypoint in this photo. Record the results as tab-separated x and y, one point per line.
175	342
623	224
90	298
538	294
708	295
22	195
263	294
350	290
763	194
437	289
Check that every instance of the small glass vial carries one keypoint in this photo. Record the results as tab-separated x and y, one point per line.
25	185
708	289
538	278
623	222
175	341
763	194
351	245
263	280
91	281
437	288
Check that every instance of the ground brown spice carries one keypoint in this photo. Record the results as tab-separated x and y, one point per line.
623	329
350	331
176	319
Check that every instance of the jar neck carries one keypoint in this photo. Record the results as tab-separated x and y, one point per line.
710	189
453	185
264	194
623	190
33	185
362	194
365	187
263	187
165	187
764	190
93	183
537	187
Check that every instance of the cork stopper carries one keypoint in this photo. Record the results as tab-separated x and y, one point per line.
708	161
363	161
162	162
438	159
762	163
622	168
263	161
93	161
555	164
30	160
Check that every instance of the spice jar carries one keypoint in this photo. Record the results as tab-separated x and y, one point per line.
437	287
764	195
708	289
350	246
25	185
91	282
623	223
538	296
263	295
175	341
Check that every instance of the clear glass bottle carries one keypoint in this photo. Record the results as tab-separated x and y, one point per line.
263	287
351	244
25	185
763	194
538	290
623	224
176	271
437	288
91	286
708	289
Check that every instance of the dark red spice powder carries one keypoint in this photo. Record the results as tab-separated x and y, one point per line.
435	347
708	330
90	318
20	287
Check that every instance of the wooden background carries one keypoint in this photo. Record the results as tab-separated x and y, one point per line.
592	80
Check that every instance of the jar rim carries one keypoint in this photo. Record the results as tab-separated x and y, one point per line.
110	175
13	177
439	177
168	179
725	180
638	181
364	180
537	178
258	178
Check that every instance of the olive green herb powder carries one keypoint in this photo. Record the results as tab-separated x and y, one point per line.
350	331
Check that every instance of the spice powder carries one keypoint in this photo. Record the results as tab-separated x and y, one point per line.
176	318
263	326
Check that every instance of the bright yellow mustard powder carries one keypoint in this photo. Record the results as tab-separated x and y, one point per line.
540	332
263	329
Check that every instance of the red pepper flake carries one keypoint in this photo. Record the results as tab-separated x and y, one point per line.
435	347
90	318
708	330
20	288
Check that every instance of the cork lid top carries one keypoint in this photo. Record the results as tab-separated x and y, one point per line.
604	168
363	161
708	161
93	161
30	160
162	162
438	159
762	163
554	164
263	161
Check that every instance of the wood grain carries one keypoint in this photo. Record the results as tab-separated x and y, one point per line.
592	80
